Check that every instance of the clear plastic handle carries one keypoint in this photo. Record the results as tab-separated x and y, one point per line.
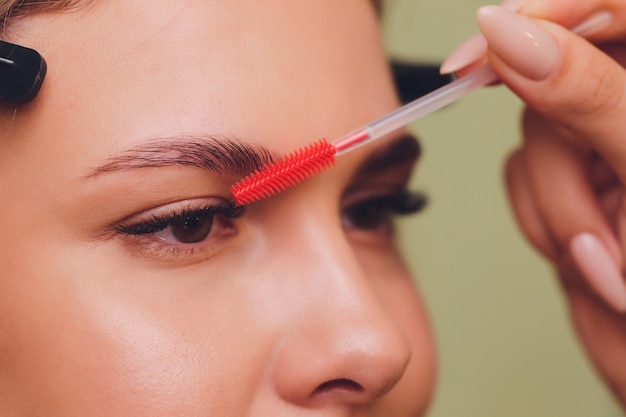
442	96
416	109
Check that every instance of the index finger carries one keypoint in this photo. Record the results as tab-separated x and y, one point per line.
563	77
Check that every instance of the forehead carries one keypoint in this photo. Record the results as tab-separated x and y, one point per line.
123	70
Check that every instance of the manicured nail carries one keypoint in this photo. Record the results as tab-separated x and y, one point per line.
594	23
521	43
470	51
597	266
475	48
513	5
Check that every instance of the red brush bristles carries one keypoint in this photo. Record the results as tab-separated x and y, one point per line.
284	173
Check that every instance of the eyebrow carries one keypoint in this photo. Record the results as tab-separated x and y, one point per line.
404	150
223	155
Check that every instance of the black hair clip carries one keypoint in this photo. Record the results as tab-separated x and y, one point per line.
22	71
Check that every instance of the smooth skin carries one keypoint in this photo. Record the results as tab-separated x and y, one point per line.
295	308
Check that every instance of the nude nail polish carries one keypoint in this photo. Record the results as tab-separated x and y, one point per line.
521	43
595	23
598	268
475	48
470	51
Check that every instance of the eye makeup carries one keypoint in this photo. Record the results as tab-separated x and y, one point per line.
376	213
193	230
183	230
378	191
192	227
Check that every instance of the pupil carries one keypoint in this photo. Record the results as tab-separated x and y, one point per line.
192	228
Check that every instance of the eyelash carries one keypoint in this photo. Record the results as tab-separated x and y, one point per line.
158	223
371	215
144	233
381	211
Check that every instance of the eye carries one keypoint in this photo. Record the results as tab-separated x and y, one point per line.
191	225
188	227
376	213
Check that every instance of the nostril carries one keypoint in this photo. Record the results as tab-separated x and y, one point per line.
340	383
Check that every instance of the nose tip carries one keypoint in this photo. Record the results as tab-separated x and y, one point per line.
351	366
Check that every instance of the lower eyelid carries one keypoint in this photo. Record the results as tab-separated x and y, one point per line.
154	249
157	248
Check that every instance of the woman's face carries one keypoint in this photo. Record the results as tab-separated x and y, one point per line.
132	287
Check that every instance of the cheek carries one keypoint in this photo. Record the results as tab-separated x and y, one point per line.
79	337
397	293
88	340
415	390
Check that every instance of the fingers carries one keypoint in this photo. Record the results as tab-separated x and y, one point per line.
562	77
577	95
592	19
560	210
557	171
602	334
524	208
473	52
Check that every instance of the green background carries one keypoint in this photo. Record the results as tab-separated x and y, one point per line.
505	342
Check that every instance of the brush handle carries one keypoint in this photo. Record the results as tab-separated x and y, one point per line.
443	96
412	111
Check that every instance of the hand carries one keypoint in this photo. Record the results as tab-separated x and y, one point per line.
567	180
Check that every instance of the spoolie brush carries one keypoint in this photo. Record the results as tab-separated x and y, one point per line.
295	167
284	173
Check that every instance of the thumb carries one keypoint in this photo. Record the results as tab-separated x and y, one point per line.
561	76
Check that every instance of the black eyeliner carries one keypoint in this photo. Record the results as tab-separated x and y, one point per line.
157	223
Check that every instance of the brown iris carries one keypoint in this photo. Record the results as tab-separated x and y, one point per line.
192	227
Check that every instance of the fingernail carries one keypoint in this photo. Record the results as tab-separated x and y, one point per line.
513	5
521	43
594	23
475	48
470	51
597	266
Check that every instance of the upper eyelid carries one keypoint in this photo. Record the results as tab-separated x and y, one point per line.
403	150
365	191
391	169
222	206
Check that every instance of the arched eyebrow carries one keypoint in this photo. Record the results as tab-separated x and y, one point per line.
220	154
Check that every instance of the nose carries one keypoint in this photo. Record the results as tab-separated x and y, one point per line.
350	361
343	347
